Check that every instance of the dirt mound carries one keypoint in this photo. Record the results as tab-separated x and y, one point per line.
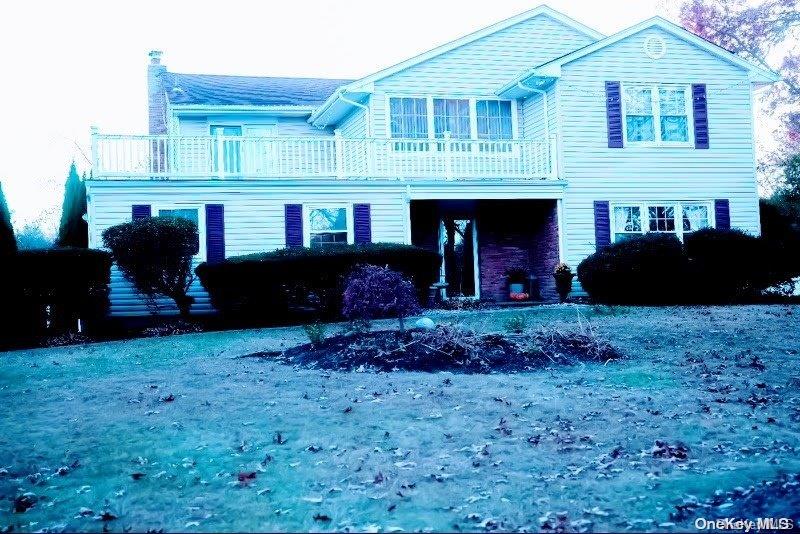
448	348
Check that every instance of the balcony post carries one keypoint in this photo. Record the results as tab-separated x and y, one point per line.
95	156
220	154
448	164
338	143
553	156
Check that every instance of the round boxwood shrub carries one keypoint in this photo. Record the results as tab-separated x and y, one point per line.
640	270
373	292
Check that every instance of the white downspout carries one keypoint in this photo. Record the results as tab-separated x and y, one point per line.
365	107
546	109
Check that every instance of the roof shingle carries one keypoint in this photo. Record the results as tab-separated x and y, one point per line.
214	89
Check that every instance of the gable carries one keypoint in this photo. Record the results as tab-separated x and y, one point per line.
481	66
628	58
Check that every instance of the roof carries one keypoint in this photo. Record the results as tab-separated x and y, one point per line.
552	68
362	86
219	90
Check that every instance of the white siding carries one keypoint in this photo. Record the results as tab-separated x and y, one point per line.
595	172
532	117
254	216
284	126
355	125
479	68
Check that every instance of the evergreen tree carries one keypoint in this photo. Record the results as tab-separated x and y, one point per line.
8	244
73	230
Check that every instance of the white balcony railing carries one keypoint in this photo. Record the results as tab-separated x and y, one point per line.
196	157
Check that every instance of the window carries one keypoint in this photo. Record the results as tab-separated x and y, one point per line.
409	118
656	114
328	227
465	118
451	115
627	222
193	214
494	119
695	217
662	217
639	114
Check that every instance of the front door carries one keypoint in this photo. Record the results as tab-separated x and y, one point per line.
458	242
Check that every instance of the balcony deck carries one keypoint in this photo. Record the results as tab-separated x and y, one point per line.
216	157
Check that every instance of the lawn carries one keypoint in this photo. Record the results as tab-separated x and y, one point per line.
181	434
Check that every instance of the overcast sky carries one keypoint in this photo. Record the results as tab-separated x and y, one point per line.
70	65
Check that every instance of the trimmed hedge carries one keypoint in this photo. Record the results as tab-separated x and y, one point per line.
293	283
712	266
48	290
647	270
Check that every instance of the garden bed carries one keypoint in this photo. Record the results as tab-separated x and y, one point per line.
448	348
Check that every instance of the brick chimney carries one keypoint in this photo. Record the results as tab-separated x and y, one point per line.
156	95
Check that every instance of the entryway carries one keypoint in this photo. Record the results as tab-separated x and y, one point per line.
458	245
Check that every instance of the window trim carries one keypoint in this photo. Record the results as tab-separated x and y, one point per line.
308	208
201	221
473	116
656	103
645	217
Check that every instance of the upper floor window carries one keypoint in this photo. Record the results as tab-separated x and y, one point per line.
494	119
451	115
679	218
409	117
656	114
463	118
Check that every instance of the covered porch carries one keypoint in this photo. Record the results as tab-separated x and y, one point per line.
481	241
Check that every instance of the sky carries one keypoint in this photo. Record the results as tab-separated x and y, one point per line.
70	65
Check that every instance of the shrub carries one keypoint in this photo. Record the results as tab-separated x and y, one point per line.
725	264
50	289
515	324
729	264
279	286
646	269
155	255
315	332
373	292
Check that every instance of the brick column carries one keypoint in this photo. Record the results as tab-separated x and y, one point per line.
156	95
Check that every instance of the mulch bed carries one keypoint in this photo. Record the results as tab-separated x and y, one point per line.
447	348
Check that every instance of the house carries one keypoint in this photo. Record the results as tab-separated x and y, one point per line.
532	141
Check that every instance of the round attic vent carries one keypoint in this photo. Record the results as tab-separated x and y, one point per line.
655	47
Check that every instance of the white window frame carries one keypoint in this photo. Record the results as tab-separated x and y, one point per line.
201	221
656	106
645	215
473	115
308	208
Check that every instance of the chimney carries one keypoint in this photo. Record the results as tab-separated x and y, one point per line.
156	94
